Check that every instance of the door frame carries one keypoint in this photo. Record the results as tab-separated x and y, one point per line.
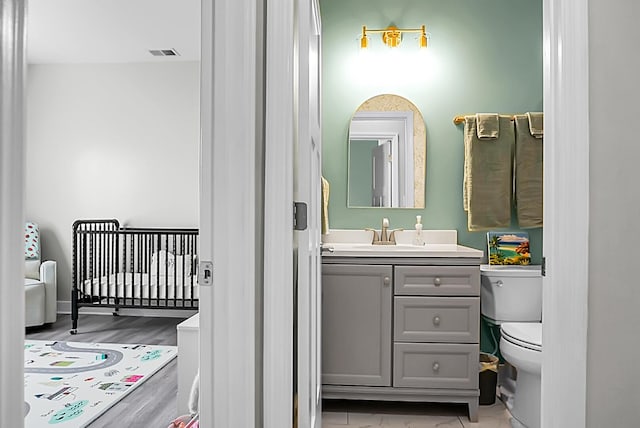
12	139
278	327
231	204
566	174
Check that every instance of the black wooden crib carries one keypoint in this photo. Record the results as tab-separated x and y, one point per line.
122	267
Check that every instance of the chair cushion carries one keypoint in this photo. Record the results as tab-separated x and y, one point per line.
32	269
31	282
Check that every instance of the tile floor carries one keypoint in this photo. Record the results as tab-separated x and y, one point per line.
373	414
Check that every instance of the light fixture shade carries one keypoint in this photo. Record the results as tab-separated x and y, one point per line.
364	41
423	37
392	36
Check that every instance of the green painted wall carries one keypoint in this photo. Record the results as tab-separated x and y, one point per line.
483	56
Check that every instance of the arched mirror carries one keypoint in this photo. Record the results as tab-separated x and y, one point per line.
387	154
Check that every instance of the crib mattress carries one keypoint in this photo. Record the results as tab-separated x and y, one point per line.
141	286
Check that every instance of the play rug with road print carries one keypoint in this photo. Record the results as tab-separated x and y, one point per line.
69	384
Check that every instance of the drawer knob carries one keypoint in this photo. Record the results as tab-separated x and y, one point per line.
499	283
436	367
386	280
436	320
436	281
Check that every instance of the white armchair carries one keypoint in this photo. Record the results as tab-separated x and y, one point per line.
40	282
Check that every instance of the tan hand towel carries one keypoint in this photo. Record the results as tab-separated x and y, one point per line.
488	125
536	124
528	171
324	214
487	179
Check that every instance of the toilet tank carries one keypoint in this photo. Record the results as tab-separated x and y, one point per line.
511	293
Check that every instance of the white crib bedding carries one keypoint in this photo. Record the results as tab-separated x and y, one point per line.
142	286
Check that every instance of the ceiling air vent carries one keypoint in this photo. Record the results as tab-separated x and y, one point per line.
164	52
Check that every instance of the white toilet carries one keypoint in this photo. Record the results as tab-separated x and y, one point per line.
511	296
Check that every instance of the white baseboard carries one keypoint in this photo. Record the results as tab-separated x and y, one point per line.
64	307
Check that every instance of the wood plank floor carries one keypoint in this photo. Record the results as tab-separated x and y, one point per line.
153	403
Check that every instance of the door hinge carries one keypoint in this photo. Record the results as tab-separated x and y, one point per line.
543	268
299	216
205	273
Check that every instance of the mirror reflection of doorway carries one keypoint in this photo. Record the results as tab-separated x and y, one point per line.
375	121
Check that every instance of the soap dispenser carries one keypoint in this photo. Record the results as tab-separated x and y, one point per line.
418	239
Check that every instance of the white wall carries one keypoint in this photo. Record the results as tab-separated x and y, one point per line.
613	362
110	141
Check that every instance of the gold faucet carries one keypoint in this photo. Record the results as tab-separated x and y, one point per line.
385	237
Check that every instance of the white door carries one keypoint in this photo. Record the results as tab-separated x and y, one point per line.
307	189
382	190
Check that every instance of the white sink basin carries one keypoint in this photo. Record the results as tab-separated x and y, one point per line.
357	243
396	248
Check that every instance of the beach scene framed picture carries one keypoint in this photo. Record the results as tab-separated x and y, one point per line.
508	248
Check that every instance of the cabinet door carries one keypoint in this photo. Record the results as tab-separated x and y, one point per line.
356	324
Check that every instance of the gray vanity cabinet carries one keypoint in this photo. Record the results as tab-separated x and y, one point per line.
356	324
401	329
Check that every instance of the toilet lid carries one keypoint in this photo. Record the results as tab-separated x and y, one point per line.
525	334
511	270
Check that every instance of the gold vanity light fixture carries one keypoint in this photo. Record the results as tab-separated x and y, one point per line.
392	36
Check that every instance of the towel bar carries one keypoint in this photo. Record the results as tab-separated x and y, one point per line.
460	118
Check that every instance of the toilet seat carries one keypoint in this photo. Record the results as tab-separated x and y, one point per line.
521	346
526	335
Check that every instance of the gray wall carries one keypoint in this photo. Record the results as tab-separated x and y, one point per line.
613	359
110	141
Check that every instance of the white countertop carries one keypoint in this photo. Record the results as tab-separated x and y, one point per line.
428	250
357	243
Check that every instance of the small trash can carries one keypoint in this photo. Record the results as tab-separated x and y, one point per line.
488	378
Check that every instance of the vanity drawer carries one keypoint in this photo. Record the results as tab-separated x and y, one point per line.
437	319
437	280
435	365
